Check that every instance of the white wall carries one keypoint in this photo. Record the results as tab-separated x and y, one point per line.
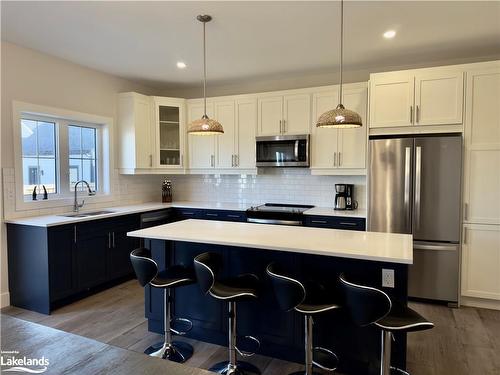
33	77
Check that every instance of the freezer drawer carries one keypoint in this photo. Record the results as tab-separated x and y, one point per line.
435	271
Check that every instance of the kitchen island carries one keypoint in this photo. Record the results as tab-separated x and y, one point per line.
315	253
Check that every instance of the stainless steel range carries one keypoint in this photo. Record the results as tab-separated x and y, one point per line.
276	213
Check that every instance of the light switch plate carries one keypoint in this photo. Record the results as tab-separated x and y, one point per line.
387	278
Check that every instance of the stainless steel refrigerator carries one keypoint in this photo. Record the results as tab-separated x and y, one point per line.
414	186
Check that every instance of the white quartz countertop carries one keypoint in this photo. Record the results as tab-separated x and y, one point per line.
382	247
329	211
60	219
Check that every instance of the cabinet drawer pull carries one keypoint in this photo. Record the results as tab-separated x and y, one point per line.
187	213
346	223
209	214
237	216
319	221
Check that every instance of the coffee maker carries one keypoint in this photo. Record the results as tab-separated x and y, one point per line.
344	197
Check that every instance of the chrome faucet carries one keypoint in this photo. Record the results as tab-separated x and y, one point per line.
76	205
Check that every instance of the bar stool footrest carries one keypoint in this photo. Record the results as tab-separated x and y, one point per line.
183	321
245	353
325	359
398	371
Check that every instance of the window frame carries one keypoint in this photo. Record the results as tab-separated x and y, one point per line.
63	118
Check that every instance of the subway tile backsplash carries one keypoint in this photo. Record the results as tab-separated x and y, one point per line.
287	185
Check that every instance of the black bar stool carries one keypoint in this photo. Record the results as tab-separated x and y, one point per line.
368	305
309	299
146	271
236	289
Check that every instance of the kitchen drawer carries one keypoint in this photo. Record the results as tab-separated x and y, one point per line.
336	222
189	213
224	215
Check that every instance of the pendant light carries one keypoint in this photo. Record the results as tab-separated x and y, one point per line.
205	125
340	117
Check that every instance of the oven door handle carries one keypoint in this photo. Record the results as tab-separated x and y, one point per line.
273	221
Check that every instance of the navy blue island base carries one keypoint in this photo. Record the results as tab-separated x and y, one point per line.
281	333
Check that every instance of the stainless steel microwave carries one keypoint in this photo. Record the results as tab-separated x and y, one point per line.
283	151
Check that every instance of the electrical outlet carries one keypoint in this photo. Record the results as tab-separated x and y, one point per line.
387	278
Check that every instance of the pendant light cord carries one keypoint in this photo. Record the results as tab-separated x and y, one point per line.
341	45
204	72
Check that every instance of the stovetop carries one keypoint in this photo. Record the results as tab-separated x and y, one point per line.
281	208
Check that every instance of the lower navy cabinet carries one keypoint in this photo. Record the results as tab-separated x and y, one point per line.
336	222
49	267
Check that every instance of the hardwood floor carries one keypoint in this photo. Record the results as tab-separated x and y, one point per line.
465	341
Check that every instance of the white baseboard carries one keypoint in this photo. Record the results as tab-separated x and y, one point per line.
480	302
4	299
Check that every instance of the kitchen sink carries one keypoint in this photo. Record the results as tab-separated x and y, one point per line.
87	214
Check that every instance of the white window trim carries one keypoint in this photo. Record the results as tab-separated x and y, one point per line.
105	169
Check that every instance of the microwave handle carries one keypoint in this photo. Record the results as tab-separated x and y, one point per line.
296	150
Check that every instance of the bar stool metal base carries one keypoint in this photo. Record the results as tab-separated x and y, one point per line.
241	368
176	351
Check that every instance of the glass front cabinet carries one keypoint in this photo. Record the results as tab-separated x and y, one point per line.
170	132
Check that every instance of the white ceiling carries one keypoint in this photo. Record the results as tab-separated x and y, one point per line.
143	41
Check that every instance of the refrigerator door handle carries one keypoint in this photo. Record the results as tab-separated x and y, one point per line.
418	184
435	247
407	186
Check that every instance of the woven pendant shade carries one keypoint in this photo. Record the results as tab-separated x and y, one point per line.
340	118
205	126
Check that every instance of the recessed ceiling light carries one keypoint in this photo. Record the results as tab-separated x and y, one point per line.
389	34
181	65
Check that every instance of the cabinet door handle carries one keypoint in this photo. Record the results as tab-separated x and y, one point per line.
284	126
281	127
417	115
340	158
74	234
335	159
150	160
318	221
237	160
113	239
465	235
347	223
109	240
466	210
411	114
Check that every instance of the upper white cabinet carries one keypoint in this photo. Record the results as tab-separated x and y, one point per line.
334	150
135	132
169	132
284	114
391	100
246	125
426	97
439	98
233	150
482	147
201	148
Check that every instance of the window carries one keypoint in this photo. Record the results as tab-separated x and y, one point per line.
82	156
58	153
39	156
